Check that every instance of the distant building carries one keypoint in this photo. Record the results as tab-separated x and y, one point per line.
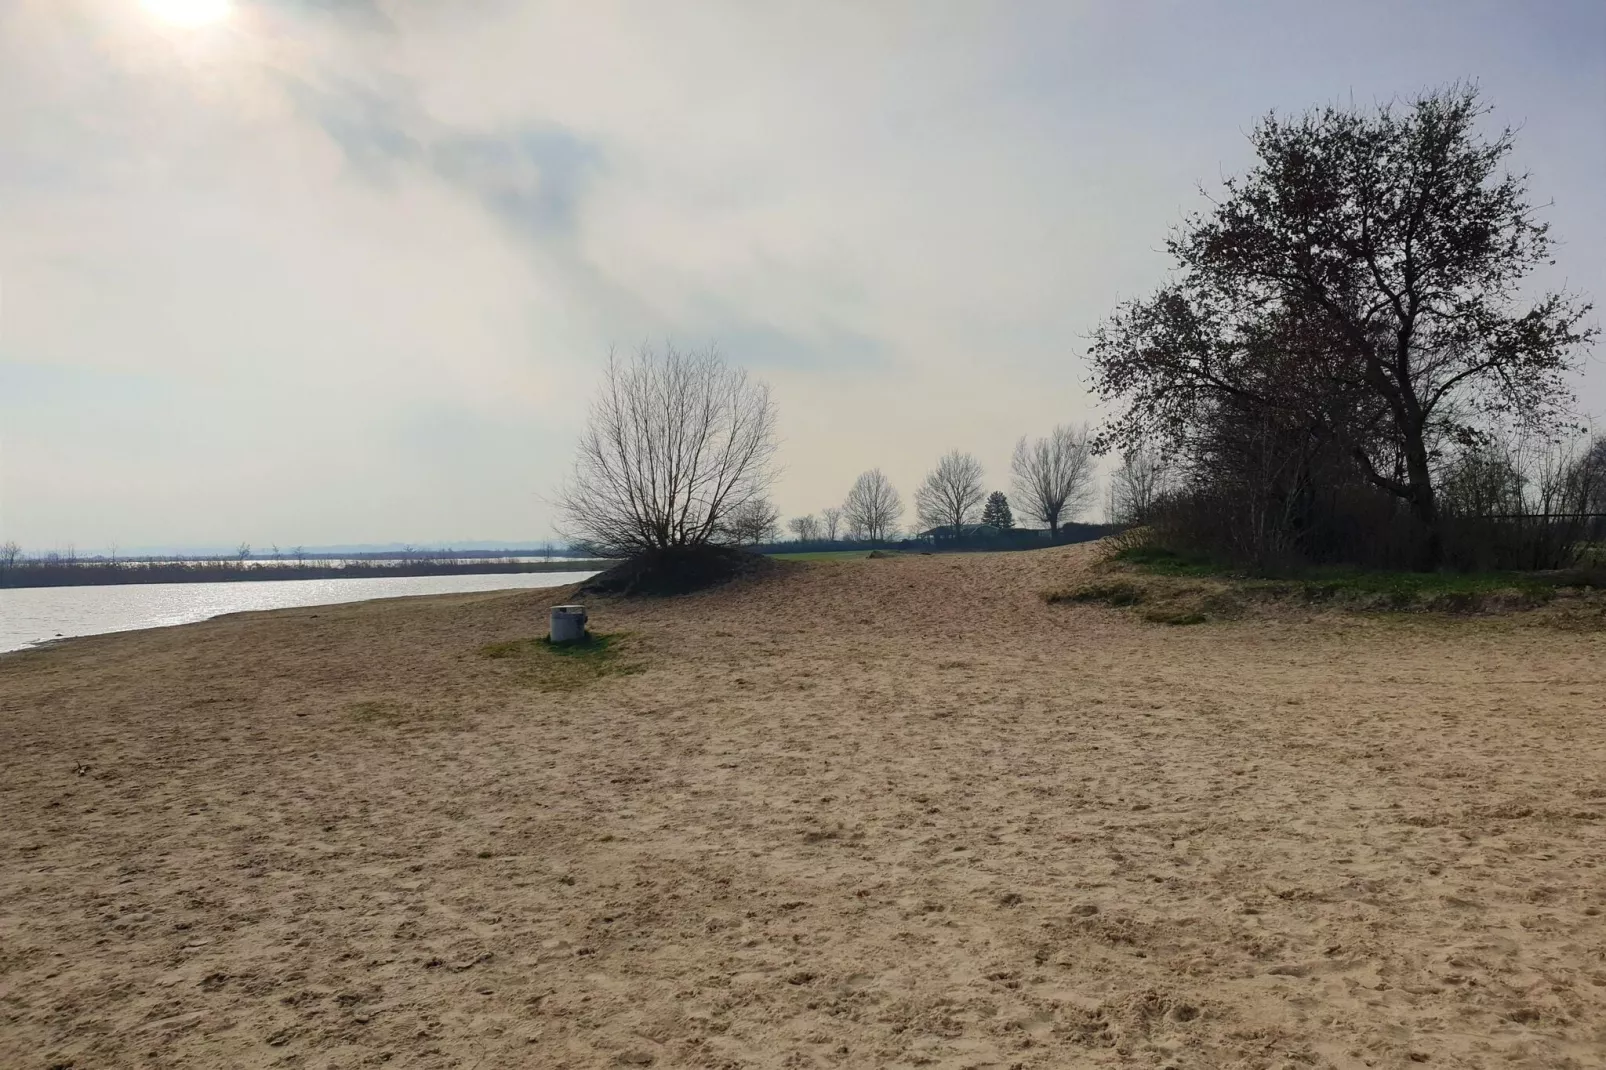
968	531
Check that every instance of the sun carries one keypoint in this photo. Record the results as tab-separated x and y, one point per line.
190	14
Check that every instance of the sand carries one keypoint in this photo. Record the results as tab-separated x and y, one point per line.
868	813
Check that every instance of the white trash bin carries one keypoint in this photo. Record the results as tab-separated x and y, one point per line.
568	624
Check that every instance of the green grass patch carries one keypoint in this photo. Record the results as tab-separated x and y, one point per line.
1449	591
1114	594
1177	619
388	713
594	645
375	712
550	666
1404	589
821	555
1162	562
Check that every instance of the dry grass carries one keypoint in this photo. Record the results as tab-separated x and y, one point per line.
868	813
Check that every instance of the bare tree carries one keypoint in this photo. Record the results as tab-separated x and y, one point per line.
754	521
1594	464
872	508
951	494
1523	502
678	444
806	528
10	553
1054	476
1136	485
830	521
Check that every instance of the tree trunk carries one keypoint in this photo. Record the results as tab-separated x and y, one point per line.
1424	503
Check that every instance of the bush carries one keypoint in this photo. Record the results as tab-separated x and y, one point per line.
1114	594
678	570
1544	524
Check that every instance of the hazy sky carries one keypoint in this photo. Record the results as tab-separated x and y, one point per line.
346	270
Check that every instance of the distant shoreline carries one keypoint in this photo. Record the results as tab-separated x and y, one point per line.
104	575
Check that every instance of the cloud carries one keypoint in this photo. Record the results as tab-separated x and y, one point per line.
297	276
532	179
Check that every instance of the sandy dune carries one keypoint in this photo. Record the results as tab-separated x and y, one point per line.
867	813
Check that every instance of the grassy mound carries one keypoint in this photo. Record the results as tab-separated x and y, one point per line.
1182	589
550	666
1453	591
659	573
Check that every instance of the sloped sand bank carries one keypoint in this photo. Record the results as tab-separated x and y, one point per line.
867	813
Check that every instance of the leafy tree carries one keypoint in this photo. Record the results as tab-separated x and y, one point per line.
1360	289
951	493
996	513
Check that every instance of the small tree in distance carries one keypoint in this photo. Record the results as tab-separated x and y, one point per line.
806	528
872	508
1595	464
1054	476
830	521
754	521
677	454
997	513
951	494
1136	485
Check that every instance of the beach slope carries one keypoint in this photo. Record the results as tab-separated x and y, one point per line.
864	813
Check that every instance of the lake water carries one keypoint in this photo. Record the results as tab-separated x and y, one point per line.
34	614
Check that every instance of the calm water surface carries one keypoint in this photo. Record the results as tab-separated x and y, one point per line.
35	614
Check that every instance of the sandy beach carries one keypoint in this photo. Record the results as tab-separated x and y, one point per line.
861	813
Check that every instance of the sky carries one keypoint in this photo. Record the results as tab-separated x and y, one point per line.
346	271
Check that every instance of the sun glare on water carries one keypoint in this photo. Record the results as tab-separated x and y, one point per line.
189	13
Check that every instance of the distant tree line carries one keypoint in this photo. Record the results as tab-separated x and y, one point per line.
69	569
60	572
1054	480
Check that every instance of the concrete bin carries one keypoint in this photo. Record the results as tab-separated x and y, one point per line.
568	624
